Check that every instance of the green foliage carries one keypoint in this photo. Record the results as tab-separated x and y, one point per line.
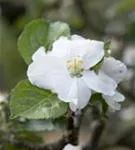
10	59
107	45
97	97
123	7
56	30
33	36
30	102
29	137
40	33
107	48
98	65
41	125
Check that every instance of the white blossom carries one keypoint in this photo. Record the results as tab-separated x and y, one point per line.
71	147
117	71
66	70
3	97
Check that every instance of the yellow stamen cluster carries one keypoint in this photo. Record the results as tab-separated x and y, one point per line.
75	66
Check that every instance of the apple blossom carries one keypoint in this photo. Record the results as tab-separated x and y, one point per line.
117	71
3	97
71	147
66	70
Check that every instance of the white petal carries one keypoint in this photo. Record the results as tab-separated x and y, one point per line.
66	89
117	97
83	95
39	53
77	37
114	68
74	91
73	107
71	147
68	49
61	47
100	83
95	52
3	97
91	51
43	70
112	101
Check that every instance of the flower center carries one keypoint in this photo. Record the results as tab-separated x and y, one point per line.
75	67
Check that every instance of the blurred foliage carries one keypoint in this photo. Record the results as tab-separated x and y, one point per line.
14	67
122	7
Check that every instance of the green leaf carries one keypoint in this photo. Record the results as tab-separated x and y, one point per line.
56	30
31	102
40	33
98	65
34	35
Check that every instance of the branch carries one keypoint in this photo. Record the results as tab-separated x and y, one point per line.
74	123
71	136
97	129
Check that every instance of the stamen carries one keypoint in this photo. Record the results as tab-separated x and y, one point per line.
75	67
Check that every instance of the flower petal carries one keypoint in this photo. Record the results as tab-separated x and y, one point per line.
100	83
83	95
39	53
91	51
66	89
41	71
68	49
71	147
61	47
113	100
74	91
114	68
95	52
